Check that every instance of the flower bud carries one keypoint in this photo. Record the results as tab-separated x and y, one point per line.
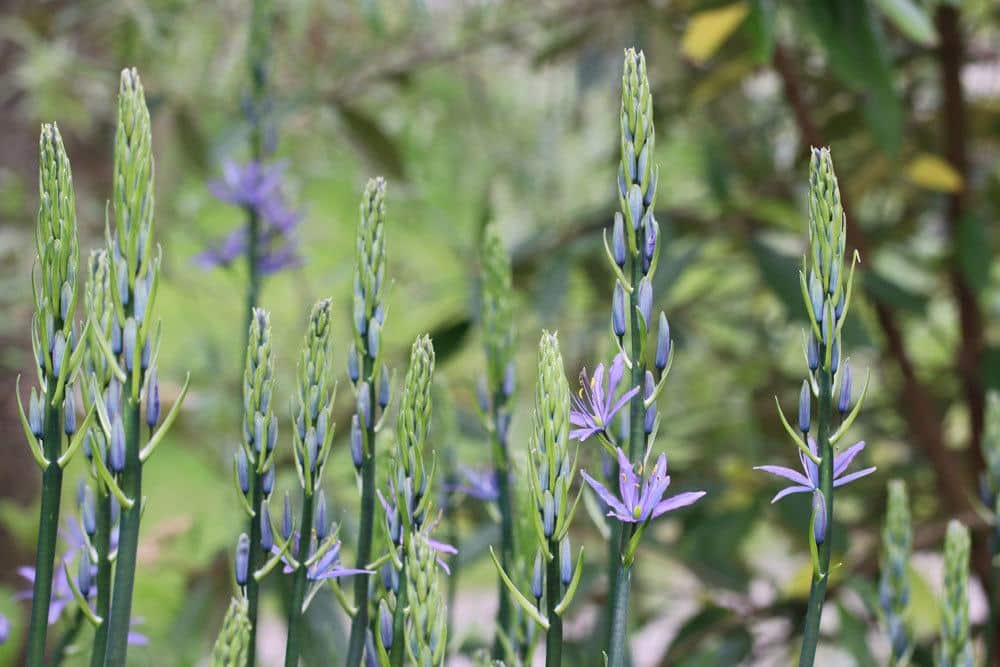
152	399
58	352
258	431
65	298
483	395
36	414
844	398
385	625
145	357
649	419
319	522
286	518
243	471
503	426
113	398
266	532
116	337
85	575
565	562
128	343
69	413
618	240
374	338
141	297
116	449
272	434
618	310
357	443
267	481
390	578
311	448
353	367
652	232
662	343
645	299
507	386
360	318
805	401
819	520
536	578
88	512
242	559
364	405
812	352
383	389
635	206
548	514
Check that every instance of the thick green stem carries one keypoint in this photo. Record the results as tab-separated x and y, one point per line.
817	593
293	646
102	544
553	594
255	562
618	643
128	541
359	625
48	528
506	505
397	652
67	638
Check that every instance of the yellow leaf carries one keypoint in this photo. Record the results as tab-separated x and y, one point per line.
707	30
934	173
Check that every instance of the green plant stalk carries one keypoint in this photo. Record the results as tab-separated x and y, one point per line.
48	528
505	616
397	653
67	638
102	545
253	586
817	592
293	646
553	593
359	625
618	643
128	540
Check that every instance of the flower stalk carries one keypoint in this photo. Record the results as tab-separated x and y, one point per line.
894	582
955	648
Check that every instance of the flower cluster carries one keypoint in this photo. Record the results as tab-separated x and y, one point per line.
894	582
955	649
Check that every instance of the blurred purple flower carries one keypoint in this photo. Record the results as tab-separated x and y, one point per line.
809	482
256	187
641	500
480	484
326	566
593	409
392	521
4	629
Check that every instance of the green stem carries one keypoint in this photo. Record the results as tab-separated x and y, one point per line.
359	625
293	646
128	541
553	593
102	544
67	639
396	653
817	592
256	553
505	502
48	528
618	643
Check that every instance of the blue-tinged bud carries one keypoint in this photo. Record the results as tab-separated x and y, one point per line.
652	232
88	446
565	562
812	351
374	337
85	575
618	240
838	310
805	402
629	161
509	380
141	297
816	297
390	578
145	356
353	367
645	299
116	337
272	434
69	412
312	448
357	443
242	559
88	512
662	343
844	398
286	518
258	431
36	414
835	355
395	527
649	419
385	625
379	314
621	182
113	398
116	449
321	425
58	352
243	471
483	395
128	343
503	426
360	317
536	578
267	481
319	523
635	205
383	389
618	310
548	514
152	399
266	531
364	410
650	195
65	298
819	522
122	272
300	426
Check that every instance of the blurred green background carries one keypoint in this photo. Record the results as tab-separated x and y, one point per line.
506	113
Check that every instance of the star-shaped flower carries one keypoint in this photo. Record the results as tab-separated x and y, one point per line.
809	482
593	409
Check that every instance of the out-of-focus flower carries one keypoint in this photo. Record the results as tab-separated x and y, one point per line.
594	407
641	500
479	484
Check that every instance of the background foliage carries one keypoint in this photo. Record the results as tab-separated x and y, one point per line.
506	112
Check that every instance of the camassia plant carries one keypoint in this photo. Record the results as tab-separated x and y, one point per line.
397	613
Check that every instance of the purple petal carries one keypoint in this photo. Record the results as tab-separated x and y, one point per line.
626	397
617	371
597	391
847	479
628	481
788	473
676	502
787	491
608	498
843	459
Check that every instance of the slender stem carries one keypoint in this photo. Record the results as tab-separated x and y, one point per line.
299	582
506	506
256	554
396	653
66	639
618	643
102	544
817	592
359	625
48	527
553	593
128	542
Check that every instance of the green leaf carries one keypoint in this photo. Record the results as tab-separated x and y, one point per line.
372	141
760	25
910	19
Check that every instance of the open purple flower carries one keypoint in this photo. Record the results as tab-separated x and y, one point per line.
809	481
594	407
480	484
248	185
326	566
641	500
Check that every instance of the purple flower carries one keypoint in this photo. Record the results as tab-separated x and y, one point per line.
809	482
326	566
4	629
593	409
641	500
480	484
249	184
